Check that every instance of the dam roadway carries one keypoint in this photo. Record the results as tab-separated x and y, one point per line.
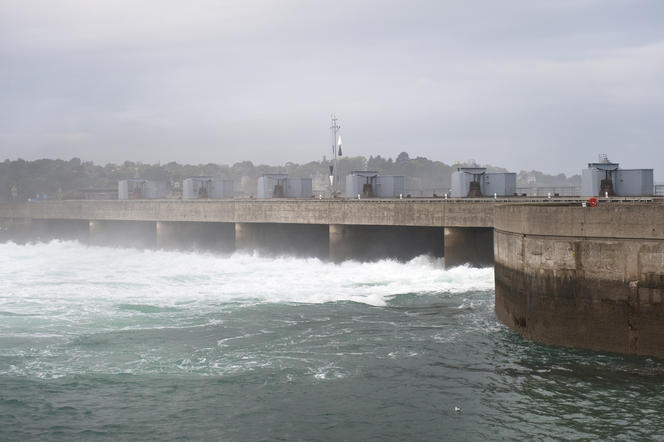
565	274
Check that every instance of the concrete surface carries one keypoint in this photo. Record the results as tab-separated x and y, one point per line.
582	277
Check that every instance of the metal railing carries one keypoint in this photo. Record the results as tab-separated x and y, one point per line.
545	191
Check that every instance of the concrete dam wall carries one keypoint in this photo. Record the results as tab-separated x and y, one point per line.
337	230
579	277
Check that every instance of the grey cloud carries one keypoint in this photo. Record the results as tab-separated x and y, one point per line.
526	85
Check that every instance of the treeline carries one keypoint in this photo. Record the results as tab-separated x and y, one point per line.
20	179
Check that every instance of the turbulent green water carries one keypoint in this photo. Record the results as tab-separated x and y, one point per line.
121	344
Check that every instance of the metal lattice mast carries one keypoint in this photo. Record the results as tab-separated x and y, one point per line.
335	174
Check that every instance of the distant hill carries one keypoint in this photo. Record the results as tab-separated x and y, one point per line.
74	178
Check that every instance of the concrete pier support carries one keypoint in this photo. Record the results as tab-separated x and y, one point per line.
583	277
468	245
183	235
139	234
369	243
309	240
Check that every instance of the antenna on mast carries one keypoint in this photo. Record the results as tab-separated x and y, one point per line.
336	151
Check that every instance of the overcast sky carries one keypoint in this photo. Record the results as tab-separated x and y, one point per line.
523	84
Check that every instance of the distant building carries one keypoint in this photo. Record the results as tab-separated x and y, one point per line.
369	184
202	187
475	182
279	185
141	189
607	178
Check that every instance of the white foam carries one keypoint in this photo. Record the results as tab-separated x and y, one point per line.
69	282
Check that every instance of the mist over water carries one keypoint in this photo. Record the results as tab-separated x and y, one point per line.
124	344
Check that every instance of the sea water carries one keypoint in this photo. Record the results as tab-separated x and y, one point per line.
124	344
